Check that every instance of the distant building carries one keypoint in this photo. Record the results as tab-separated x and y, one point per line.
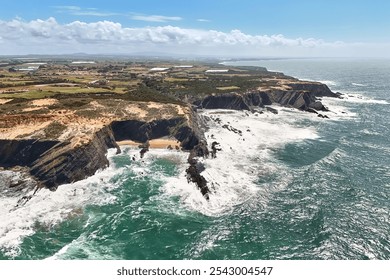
83	62
158	69
217	71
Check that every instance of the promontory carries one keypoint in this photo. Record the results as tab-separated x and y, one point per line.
59	117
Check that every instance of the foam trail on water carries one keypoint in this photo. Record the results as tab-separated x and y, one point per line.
358	98
247	141
337	108
359	85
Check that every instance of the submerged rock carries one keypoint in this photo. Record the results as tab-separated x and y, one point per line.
272	110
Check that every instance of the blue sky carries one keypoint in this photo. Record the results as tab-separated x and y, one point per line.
256	27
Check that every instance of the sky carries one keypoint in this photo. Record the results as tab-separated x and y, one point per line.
236	28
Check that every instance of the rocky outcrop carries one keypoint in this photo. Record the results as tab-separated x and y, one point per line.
233	101
54	163
140	131
297	99
188	131
195	169
66	164
185	131
300	95
191	134
314	88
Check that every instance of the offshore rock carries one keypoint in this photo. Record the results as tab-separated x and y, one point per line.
194	170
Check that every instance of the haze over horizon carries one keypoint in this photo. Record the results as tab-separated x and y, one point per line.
218	28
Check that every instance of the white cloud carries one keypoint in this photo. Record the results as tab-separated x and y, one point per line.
67	8
203	20
91	12
155	18
78	11
50	37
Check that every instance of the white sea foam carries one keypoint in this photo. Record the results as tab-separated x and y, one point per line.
49	208
357	98
83	244
359	85
369	132
247	141
138	169
328	83
337	108
61	252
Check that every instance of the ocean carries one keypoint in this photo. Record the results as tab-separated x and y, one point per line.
287	186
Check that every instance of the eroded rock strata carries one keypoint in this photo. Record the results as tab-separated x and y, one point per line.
62	142
300	95
65	146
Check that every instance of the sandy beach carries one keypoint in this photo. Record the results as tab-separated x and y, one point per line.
161	143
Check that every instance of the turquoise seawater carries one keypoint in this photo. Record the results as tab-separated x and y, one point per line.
294	186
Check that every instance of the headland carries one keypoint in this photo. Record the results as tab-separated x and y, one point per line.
58	120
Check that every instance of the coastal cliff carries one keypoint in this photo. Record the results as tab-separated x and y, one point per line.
66	163
62	147
53	163
62	140
300	95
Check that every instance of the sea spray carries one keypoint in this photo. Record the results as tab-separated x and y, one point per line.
247	141
47	208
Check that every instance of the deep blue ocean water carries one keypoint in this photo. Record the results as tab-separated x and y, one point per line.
294	186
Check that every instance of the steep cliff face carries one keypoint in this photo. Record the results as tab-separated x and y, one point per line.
188	131
191	134
141	131
314	88
84	140
233	101
59	142
300	95
66	163
296	94
185	129
54	163
297	99
23	152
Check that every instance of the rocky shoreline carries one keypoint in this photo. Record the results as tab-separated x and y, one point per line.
54	162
